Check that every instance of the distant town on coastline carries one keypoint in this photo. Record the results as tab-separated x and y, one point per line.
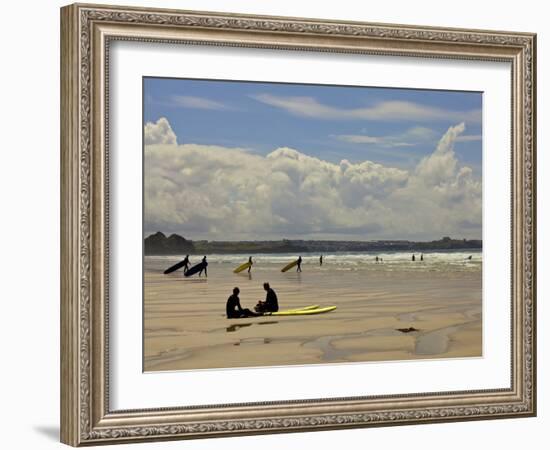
160	244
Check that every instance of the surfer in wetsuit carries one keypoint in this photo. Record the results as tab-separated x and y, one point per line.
321	260
233	308
186	264
421	256
271	303
299	265
413	258
250	262
204	267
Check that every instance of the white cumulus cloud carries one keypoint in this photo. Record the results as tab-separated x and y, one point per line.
212	192
159	133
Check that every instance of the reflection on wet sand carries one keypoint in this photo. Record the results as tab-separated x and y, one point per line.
236	326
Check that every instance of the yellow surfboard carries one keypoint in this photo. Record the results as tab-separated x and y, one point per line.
289	266
242	267
304	312
305	308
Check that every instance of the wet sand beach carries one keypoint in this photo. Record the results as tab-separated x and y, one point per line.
383	313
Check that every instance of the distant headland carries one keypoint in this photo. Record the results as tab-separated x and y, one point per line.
160	244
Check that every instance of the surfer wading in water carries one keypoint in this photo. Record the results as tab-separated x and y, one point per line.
270	304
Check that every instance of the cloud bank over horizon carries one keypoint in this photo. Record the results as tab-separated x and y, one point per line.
220	193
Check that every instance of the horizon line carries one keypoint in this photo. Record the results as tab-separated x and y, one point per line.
318	240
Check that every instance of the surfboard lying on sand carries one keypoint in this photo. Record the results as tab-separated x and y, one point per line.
302	312
195	269
305	308
242	267
175	267
289	266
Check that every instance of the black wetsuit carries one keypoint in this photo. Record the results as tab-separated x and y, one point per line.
234	310
271	303
186	264
233	307
204	268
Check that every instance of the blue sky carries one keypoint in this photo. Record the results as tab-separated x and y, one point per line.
341	122
228	160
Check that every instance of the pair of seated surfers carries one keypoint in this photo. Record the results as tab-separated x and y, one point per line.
234	310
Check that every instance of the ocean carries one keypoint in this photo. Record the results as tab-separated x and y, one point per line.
433	261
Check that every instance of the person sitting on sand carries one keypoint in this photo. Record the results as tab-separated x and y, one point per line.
233	307
250	262
299	265
271	303
204	267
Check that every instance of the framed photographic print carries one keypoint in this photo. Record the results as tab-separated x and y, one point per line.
276	224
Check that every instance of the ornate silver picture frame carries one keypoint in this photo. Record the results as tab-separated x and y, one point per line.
87	34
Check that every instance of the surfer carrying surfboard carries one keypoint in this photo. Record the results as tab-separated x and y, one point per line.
250	262
185	263
203	268
299	264
271	304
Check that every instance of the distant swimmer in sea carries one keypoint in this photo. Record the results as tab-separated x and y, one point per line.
250	262
321	260
413	258
421	256
233	308
299	265
271	304
204	267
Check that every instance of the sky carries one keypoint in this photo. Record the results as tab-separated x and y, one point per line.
245	160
